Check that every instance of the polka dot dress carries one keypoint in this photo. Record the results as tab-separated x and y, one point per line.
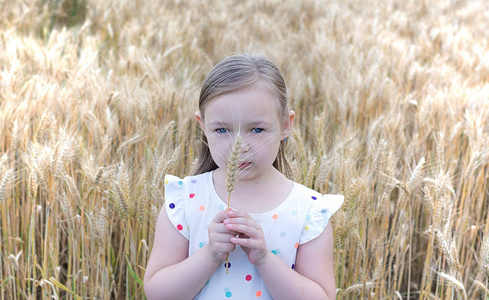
191	204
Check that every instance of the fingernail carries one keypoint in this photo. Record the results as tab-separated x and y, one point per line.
226	221
231	212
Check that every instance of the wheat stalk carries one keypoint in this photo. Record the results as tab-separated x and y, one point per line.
67	209
359	242
485	257
400	92
380	208
4	182
312	172
358	287
416	174
456	282
232	173
142	206
482	286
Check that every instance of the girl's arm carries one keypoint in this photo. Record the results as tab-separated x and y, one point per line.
313	277
170	273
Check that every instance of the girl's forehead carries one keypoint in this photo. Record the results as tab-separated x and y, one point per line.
256	102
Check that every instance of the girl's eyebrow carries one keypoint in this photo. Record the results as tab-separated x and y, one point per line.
253	123
260	123
218	123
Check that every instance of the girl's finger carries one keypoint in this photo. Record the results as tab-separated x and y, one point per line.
250	231
243	221
221	228
223	238
237	214
223	248
247	243
220	216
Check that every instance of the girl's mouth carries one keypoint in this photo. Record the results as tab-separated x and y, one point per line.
244	165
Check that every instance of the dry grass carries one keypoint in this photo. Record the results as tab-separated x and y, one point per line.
97	102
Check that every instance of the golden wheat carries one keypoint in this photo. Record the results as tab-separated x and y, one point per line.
232	173
232	168
97	101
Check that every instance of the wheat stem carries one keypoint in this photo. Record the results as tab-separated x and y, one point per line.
232	174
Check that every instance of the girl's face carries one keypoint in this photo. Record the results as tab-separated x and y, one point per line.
253	113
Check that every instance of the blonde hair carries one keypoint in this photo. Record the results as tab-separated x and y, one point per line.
235	73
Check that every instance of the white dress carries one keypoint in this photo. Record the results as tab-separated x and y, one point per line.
192	203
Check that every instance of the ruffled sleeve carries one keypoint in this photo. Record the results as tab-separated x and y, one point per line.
317	218
175	203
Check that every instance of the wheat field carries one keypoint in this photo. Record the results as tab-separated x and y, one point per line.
97	101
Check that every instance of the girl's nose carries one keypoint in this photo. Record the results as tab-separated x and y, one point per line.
245	147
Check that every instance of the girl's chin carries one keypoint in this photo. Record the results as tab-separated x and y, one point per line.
246	171
251	173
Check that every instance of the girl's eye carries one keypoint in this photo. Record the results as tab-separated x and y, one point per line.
221	130
257	130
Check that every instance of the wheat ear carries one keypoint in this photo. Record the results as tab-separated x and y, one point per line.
459	285
232	174
484	254
232	166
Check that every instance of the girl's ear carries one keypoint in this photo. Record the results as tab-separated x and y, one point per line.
199	118
288	124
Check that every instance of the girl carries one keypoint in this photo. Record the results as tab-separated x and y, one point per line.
276	234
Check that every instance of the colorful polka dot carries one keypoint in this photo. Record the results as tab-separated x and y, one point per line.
202	208
179	227
276	251
191	195
248	277
296	245
308	217
172	205
293	266
221	207
307	228
166	181
258	294
180	182
323	210
228	265
194	181
202	244
314	198
282	234
275	217
294	212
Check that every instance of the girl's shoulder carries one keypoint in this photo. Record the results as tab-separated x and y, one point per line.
307	193
319	209
178	192
175	181
178	188
321	205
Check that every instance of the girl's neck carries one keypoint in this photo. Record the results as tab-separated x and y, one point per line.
254	195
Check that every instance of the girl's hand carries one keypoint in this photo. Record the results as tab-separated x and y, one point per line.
220	237
250	236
